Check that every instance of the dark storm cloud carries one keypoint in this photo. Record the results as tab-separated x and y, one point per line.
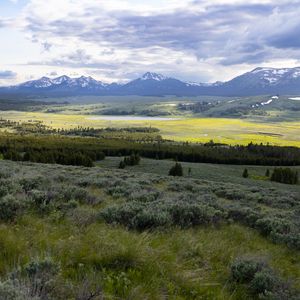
288	38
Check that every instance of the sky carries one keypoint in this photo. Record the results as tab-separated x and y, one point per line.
119	40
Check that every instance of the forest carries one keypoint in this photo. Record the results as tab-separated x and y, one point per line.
31	147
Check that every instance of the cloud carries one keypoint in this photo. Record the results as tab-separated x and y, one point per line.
53	73
206	30
46	46
7	74
172	36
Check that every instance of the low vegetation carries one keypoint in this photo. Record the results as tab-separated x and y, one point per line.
72	232
261	281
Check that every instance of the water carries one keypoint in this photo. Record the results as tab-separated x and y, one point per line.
130	118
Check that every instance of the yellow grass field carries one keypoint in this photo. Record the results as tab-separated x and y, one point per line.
230	131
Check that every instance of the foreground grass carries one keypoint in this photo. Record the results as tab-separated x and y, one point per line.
64	220
178	264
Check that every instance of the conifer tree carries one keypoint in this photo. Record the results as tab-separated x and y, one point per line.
176	170
245	173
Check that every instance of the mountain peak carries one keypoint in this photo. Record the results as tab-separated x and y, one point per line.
153	76
60	79
261	69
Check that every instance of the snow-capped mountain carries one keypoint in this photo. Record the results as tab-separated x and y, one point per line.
259	81
41	83
264	81
153	84
62	84
153	76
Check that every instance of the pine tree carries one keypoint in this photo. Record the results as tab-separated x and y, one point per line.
122	164
176	170
245	173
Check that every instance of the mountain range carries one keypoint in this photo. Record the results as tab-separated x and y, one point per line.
260	81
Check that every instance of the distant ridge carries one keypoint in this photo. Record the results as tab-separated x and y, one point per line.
256	82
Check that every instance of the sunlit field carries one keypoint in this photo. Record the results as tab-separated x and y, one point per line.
224	130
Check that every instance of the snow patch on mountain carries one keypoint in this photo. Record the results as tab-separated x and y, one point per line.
60	80
267	102
153	76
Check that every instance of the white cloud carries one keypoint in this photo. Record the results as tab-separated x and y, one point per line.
120	39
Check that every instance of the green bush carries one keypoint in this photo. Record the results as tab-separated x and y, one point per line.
82	216
8	291
263	282
41	274
267	226
161	213
11	207
30	183
243	270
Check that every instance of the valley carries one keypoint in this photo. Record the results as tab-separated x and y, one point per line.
225	120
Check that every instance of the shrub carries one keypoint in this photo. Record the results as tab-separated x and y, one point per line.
36	281
186	215
263	282
243	270
293	240
82	216
148	218
245	215
10	207
3	187
144	195
31	183
41	274
8	291
273	225
162	213
40	200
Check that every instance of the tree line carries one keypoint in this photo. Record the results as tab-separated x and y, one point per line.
12	145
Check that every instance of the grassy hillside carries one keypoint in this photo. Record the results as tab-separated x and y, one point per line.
212	172
72	232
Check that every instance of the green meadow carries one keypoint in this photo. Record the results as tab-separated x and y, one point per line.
179	128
